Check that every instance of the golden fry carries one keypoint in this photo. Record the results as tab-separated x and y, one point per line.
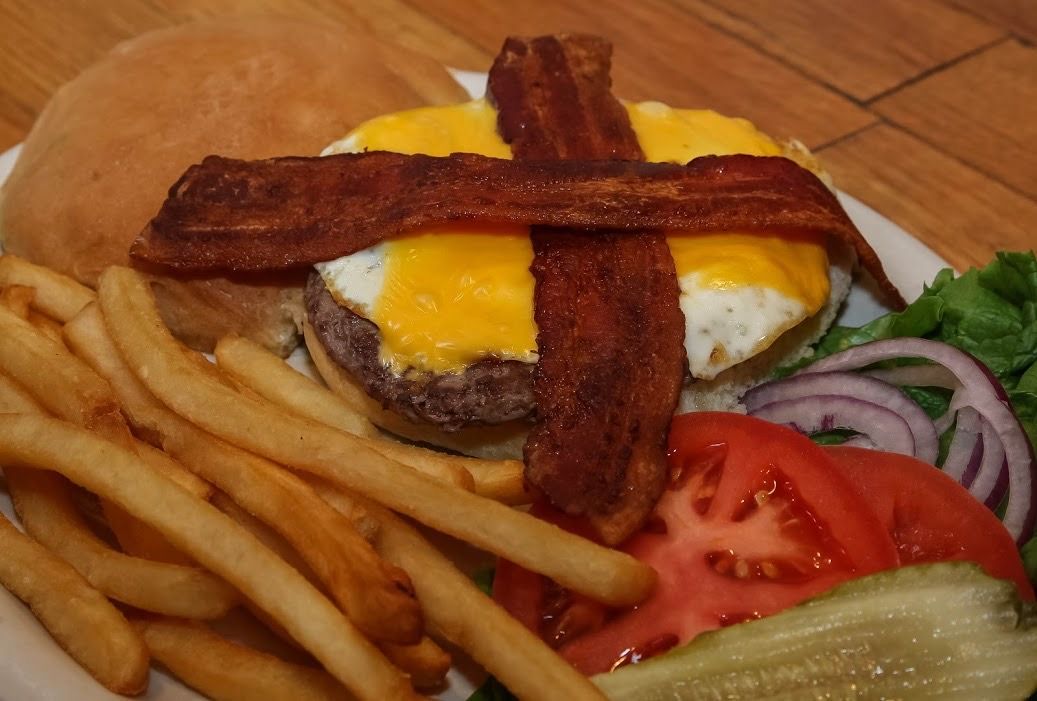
371	592
275	380
219	544
173	470
58	296
426	662
264	534
272	378
86	625
500	480
129	309
226	671
69	389
48	512
458	611
50	328
89	338
17	298
15	399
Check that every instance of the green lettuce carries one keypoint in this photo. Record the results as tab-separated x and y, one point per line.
1029	552
492	690
484	580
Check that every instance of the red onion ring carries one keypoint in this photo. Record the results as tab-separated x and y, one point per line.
989	478
886	428
916	376
966	449
860	441
981	390
925	438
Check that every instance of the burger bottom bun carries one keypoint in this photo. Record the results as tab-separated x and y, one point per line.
722	393
104	152
200	312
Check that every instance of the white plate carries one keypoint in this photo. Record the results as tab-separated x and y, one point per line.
32	666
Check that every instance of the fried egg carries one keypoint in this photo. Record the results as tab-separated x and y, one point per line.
446	298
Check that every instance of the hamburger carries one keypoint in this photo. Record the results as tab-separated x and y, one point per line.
99	160
435	330
465	300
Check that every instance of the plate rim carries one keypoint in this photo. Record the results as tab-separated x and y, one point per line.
21	674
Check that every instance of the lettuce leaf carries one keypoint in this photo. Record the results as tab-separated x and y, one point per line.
492	690
1029	553
483	579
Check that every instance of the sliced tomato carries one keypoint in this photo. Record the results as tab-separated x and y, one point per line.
930	517
756	518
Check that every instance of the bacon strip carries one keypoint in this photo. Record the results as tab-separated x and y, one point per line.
610	329
229	215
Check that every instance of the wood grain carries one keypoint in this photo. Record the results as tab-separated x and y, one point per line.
862	52
982	110
959	212
665	53
1016	16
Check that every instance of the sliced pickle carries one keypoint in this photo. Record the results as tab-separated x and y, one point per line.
944	631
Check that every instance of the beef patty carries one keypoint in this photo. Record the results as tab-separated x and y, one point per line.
491	391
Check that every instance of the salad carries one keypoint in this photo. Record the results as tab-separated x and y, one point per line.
836	458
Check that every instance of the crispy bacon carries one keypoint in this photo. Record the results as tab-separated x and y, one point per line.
242	216
610	330
554	100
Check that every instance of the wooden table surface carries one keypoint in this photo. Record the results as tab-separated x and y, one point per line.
924	109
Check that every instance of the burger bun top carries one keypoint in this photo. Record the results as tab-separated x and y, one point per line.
102	155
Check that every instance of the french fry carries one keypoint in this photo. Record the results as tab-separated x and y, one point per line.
272	378
169	467
372	593
268	537
578	564
375	595
500	480
69	389
14	399
48	512
58	296
45	324
215	541
264	534
469	442
459	612
82	621
425	662
18	298
275	380
227	671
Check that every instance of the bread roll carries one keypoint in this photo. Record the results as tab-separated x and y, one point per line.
102	155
